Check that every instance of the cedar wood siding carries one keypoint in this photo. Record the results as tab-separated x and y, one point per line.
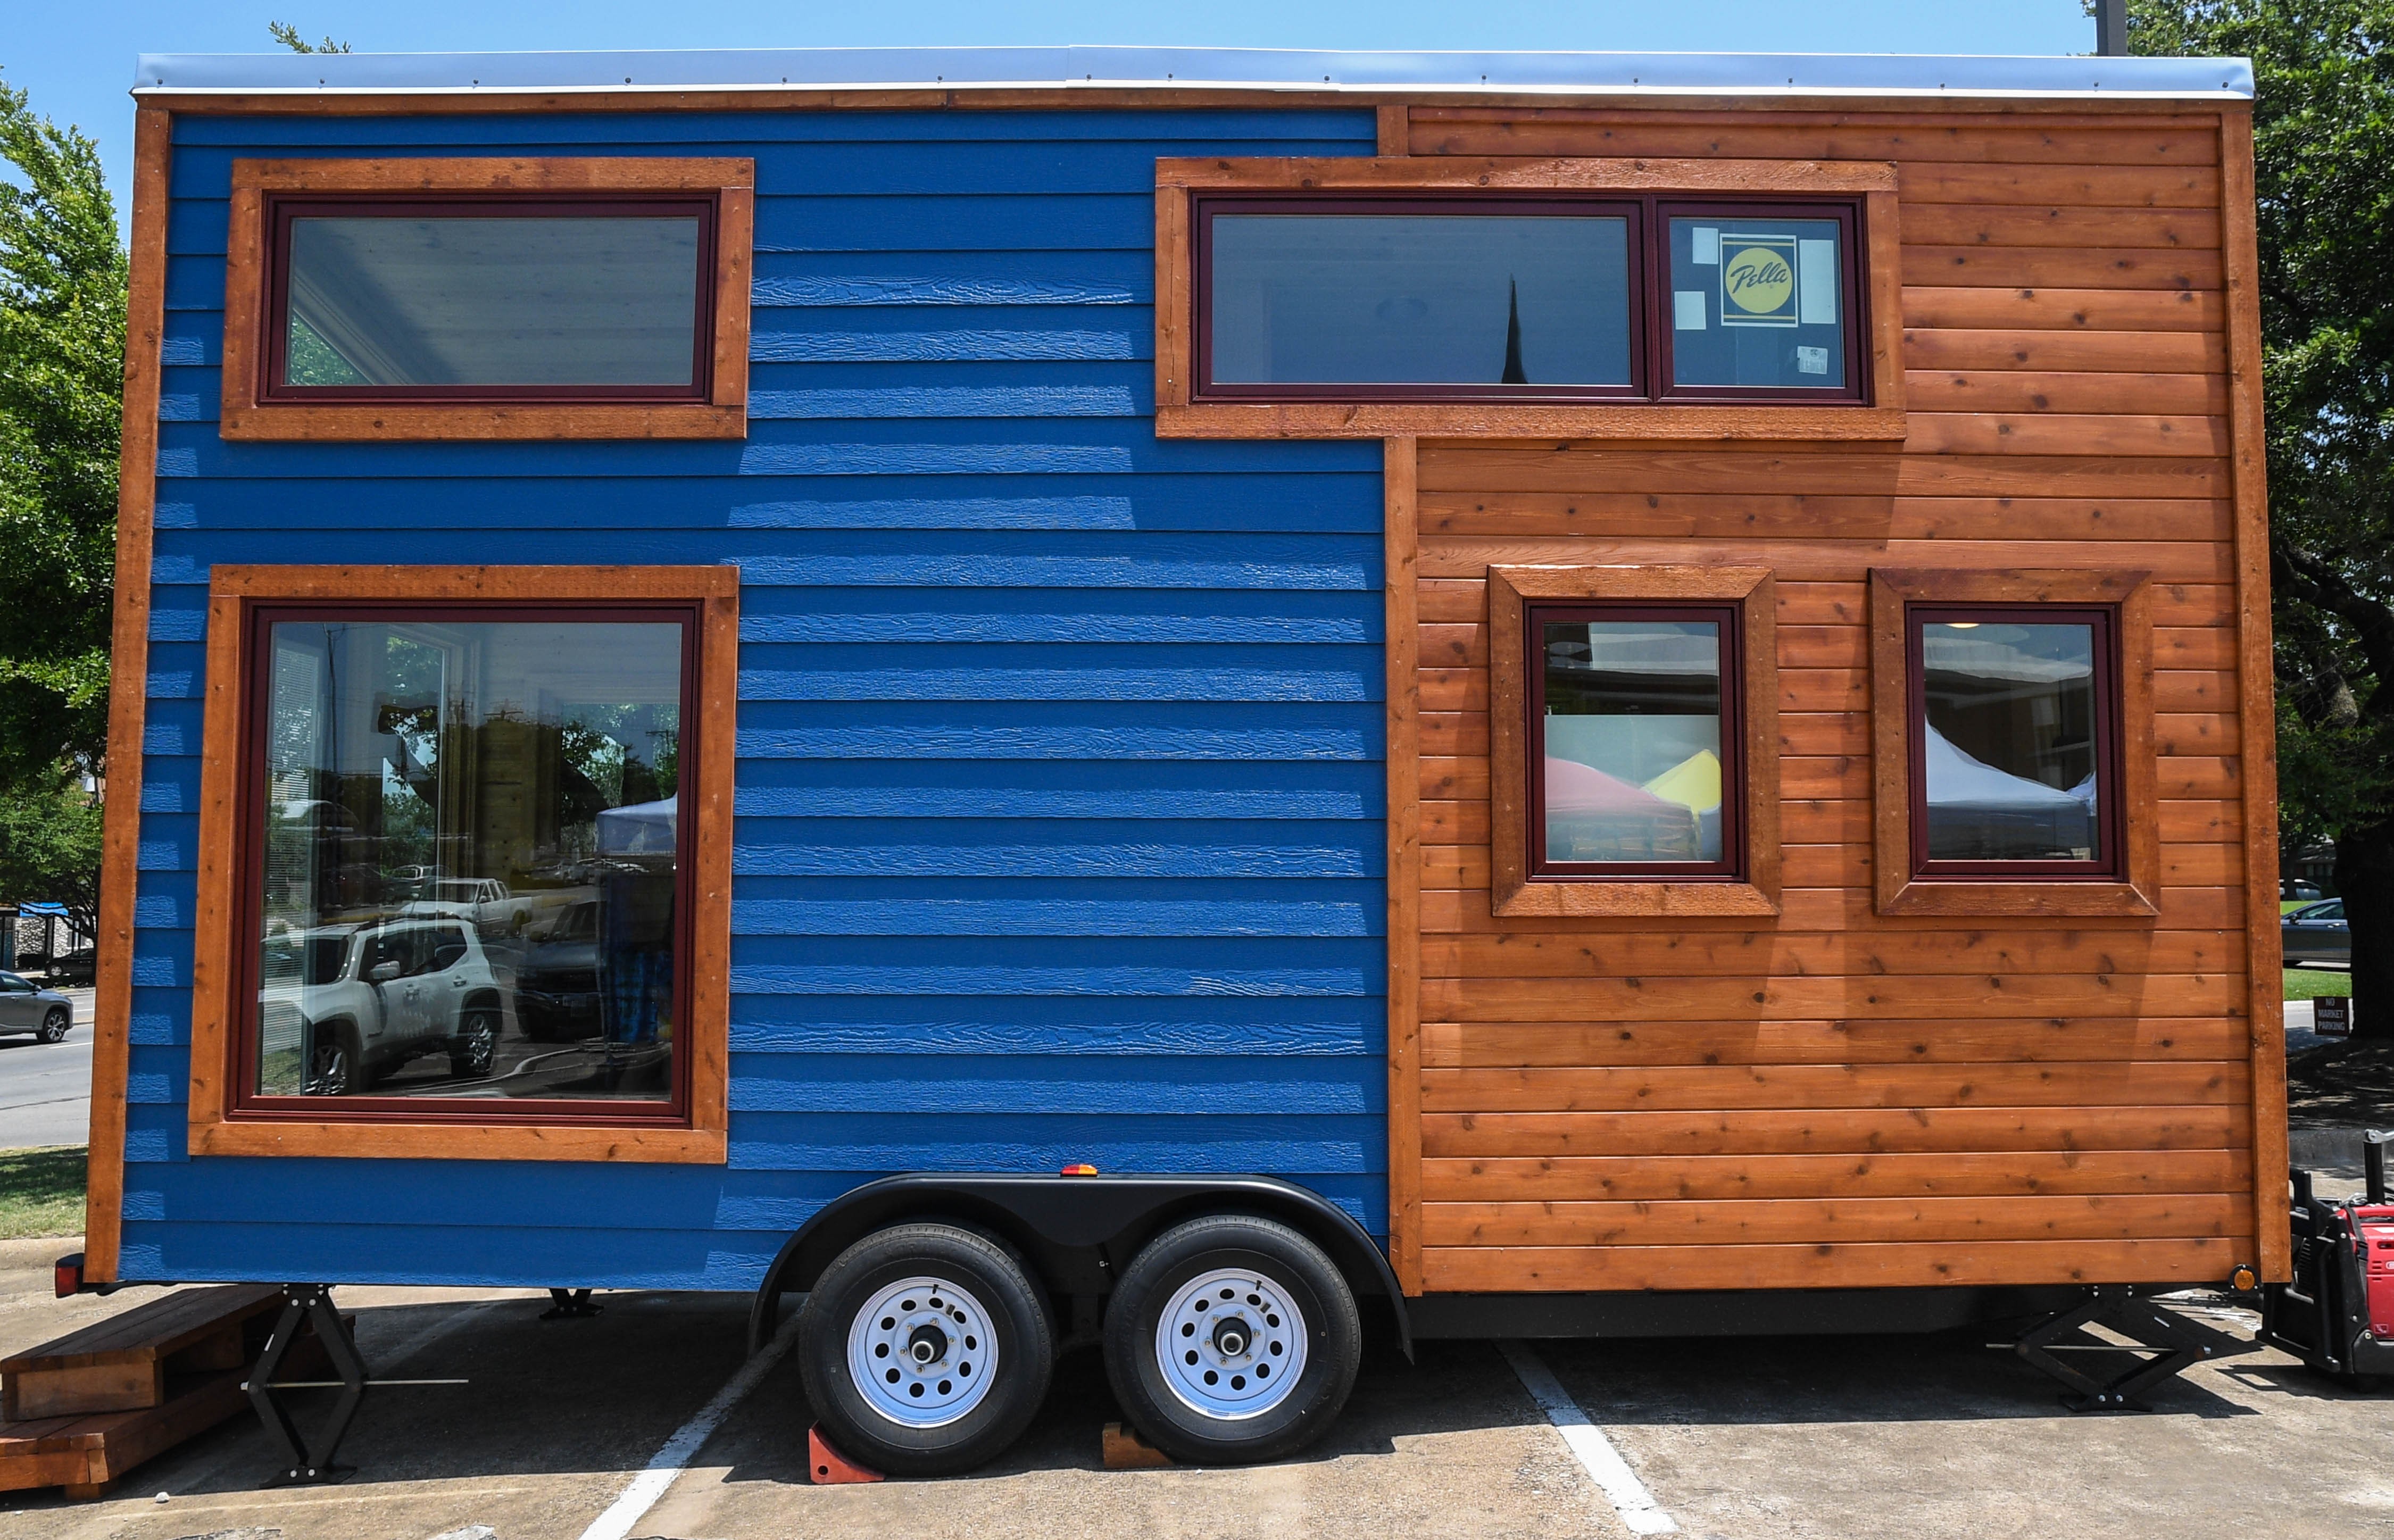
1059	786
1834	1097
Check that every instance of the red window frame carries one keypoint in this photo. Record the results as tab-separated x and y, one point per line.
274	341
249	881
1733	866
2107	864
1649	297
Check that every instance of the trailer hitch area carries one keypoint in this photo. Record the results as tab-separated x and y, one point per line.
2163	1344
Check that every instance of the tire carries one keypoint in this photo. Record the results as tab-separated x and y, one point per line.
947	1299
1232	1299
54	1026
476	1044
335	1065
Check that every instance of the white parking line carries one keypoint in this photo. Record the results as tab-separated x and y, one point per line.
1589	1445
683	1447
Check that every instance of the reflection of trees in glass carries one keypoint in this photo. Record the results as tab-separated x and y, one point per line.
629	753
312	360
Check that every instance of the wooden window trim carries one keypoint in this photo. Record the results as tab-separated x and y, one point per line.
2136	891
249	411
1872	183
216	1127
1514	892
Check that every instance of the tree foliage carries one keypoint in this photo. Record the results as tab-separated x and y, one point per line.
288	35
49	845
61	377
2323	138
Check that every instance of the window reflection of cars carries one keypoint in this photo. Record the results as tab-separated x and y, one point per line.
557	981
483	902
356	1002
2317	933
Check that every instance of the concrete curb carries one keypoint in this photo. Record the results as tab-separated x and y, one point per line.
2330	1146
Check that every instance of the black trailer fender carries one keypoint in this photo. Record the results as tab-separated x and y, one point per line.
1075	1231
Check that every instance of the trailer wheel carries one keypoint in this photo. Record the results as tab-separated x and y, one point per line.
926	1349
1231	1340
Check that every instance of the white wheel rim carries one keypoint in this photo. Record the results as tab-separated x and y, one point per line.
1231	1344
921	1352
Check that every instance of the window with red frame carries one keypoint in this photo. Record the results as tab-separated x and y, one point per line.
1635	740
382	298
465	867
2013	740
1553	297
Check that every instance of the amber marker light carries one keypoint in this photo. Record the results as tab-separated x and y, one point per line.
1080	1168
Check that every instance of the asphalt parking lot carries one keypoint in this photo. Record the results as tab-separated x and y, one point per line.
1752	1440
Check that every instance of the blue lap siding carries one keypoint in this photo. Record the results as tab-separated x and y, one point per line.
1058	823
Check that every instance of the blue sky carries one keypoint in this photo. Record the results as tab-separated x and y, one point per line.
77	56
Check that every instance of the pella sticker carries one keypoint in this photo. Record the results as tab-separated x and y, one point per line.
1757	279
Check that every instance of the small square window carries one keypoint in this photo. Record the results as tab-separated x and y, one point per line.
1632	740
2012	733
2014	741
1761	303
1635	727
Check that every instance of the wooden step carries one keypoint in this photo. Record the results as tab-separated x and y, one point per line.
86	1452
124	1363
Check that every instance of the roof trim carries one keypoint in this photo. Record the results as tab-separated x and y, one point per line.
1067	68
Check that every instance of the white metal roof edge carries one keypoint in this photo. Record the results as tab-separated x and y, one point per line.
1194	68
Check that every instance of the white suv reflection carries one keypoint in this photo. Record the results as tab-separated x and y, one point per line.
351	1003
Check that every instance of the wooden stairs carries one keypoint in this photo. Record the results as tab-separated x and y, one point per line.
80	1412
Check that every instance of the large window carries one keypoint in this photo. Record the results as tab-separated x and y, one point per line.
1634	756
563	300
2013	744
1632	740
542	299
1553	299
464	871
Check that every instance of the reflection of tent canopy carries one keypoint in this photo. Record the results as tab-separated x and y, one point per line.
644	828
1592	816
1695	782
1977	811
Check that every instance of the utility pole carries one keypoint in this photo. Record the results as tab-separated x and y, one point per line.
2112	27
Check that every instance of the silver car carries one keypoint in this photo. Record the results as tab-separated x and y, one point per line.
26	1007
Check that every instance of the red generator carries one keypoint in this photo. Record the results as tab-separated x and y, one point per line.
2337	1313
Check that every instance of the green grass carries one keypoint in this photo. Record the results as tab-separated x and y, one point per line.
41	1192
2309	983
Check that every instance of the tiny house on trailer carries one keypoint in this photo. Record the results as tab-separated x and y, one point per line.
1197	700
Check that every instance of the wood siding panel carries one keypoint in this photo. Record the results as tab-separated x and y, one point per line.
1834	1097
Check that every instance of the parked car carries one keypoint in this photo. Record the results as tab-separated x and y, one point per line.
557	981
485	901
74	967
2297	888
26	1007
359	1001
2315	933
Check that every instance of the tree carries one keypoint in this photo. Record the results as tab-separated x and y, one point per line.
288	35
62	379
2323	134
49	847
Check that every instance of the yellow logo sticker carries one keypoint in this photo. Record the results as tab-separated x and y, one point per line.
1757	281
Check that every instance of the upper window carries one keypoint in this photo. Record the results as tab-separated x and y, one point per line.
2014	758
1547	299
1634	767
541	298
432	299
469	877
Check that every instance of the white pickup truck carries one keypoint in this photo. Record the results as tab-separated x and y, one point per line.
482	901
358	1000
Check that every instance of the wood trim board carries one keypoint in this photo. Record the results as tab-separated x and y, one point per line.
2137	894
128	682
216	1128
1513	893
2256	704
246	414
1400	563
